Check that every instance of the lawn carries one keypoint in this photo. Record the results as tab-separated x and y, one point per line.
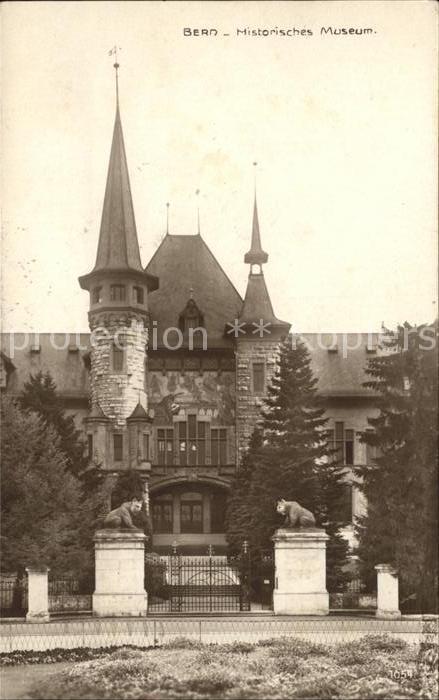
375	666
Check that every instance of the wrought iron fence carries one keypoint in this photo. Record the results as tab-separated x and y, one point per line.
149	632
13	597
209	584
70	595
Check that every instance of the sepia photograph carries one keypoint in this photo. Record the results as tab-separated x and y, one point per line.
219	350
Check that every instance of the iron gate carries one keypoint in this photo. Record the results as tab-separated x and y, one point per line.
186	584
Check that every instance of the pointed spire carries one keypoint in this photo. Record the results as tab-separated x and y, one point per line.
118	246
255	256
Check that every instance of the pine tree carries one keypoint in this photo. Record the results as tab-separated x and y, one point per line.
294	462
238	514
44	516
400	485
39	395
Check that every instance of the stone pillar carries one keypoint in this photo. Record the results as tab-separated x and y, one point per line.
300	572
38	594
387	592
120	572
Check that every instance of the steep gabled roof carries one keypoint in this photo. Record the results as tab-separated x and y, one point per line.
184	263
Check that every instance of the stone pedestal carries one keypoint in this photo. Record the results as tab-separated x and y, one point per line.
38	594
387	592
120	572
300	572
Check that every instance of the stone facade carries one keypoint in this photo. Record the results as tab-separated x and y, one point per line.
248	402
118	392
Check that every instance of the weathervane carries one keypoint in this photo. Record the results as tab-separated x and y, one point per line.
113	52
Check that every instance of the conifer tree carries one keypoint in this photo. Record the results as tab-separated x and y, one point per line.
39	395
400	483
294	462
45	520
238	514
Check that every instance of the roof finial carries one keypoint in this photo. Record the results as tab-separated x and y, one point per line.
191	293
167	218
198	213
113	52
255	165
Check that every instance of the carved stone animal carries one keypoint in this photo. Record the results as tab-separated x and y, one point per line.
295	514
121	518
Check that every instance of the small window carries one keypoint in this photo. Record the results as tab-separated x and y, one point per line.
349	446
118	447
146	448
138	295
344	443
117	358
258	369
90	446
117	292
97	295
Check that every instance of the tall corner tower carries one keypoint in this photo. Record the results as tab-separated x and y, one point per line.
257	347
118	317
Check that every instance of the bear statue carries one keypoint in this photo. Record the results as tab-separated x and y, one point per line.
295	514
121	518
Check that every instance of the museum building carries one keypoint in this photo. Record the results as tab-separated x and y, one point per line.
171	378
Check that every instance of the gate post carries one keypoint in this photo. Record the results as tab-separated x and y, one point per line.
38	594
300	572
387	592
120	573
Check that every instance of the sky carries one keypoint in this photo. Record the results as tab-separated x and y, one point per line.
343	128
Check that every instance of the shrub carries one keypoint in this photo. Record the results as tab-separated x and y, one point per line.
293	645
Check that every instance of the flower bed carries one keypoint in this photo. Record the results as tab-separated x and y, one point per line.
377	666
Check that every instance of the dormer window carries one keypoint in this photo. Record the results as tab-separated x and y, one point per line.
117	292
138	295
96	295
190	317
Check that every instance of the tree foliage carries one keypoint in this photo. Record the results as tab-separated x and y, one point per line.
39	395
44	515
400	484
289	457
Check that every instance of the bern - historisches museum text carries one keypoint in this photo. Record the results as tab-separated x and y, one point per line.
280	32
